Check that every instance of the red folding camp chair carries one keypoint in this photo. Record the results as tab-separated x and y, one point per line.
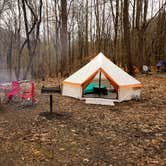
28	94
14	91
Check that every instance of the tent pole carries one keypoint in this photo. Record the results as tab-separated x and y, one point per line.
99	83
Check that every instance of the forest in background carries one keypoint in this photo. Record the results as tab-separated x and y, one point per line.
47	37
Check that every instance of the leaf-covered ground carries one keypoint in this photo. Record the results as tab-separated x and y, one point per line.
130	133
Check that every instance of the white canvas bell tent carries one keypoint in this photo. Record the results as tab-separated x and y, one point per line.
125	85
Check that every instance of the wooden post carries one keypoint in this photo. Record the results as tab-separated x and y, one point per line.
51	105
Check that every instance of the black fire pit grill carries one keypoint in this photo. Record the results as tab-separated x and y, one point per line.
50	91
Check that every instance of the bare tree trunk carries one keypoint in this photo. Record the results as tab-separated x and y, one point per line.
133	19
64	52
127	35
103	27
98	30
9	56
138	13
48	38
27	37
86	30
115	58
36	22
18	38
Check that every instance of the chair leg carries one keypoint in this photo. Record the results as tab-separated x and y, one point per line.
28	101
4	100
9	99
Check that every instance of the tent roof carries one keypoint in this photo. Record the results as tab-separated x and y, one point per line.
103	64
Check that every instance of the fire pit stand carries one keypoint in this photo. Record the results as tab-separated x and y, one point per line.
50	91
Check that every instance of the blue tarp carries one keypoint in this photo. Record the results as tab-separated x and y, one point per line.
91	86
161	63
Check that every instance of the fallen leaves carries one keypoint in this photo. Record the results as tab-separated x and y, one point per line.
132	132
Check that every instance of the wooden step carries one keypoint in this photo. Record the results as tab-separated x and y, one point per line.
99	101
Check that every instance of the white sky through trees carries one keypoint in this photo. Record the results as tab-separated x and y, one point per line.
6	18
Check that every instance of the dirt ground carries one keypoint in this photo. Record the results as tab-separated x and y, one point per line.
130	133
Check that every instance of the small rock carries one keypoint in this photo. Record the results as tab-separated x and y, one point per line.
86	160
61	149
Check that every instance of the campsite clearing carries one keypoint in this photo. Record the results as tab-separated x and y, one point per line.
128	133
